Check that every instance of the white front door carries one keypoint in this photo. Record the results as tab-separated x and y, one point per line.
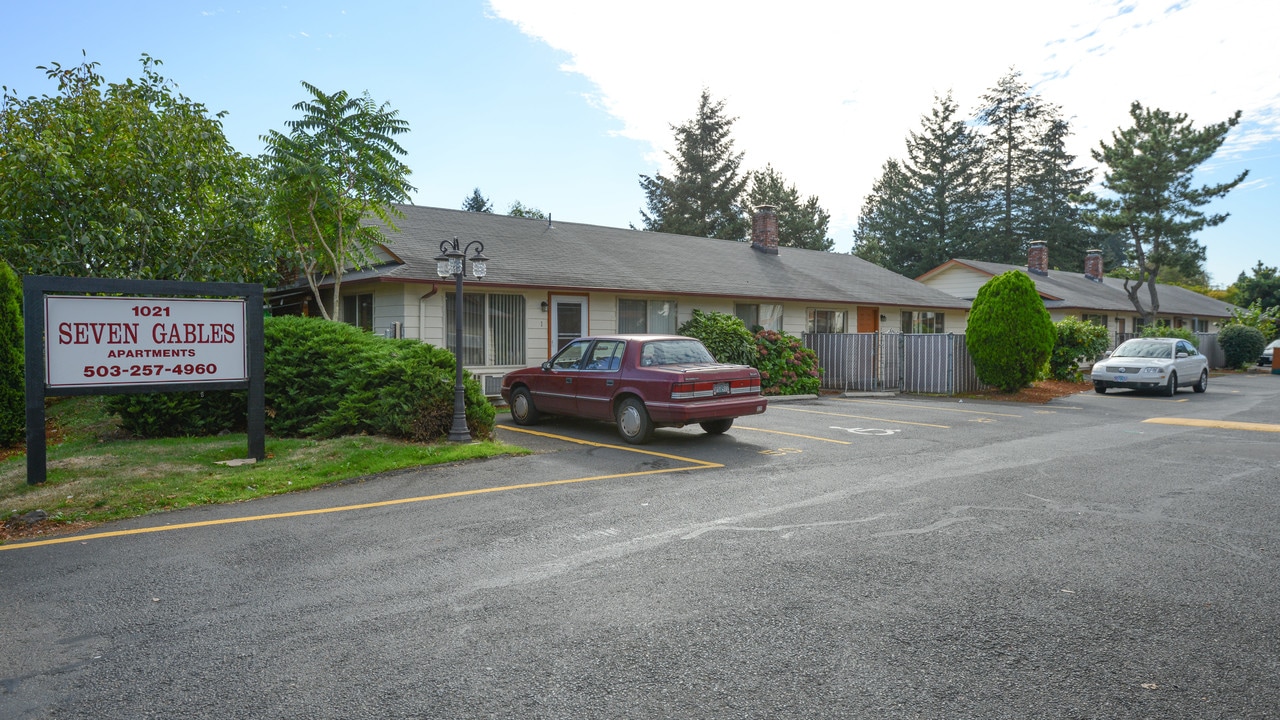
568	320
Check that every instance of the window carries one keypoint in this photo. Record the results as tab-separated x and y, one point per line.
764	316
824	321
919	323
606	355
647	316
358	310
1199	325
1138	325
499	318
1095	319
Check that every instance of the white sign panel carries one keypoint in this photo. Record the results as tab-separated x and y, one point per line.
92	341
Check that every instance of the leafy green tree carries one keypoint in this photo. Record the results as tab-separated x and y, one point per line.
1263	287
801	224
933	206
476	202
1009	333
704	195
126	180
13	408
1151	199
339	164
519	209
1077	341
1265	320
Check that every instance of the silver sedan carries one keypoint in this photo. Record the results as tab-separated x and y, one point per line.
1164	364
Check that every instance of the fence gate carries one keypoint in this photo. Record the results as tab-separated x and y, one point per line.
918	363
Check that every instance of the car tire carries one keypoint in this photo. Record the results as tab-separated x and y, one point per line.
523	411
634	424
716	427
1099	388
1203	384
1171	388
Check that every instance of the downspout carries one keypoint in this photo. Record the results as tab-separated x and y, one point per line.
422	315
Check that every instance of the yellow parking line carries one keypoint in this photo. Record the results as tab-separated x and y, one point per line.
1220	424
864	417
931	407
806	437
697	465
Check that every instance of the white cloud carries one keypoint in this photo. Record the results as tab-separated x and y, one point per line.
826	92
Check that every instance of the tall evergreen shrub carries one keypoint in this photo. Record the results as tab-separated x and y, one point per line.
13	409
1009	334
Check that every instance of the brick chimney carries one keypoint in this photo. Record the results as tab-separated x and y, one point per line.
1093	265
764	230
1038	258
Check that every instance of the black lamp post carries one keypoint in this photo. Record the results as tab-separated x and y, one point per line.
452	261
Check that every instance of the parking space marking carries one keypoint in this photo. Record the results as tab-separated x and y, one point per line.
1219	424
864	417
806	437
694	465
930	407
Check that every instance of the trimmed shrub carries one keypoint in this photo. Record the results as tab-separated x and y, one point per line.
786	366
1160	329
1241	344
1009	333
325	379
726	336
1077	341
13	406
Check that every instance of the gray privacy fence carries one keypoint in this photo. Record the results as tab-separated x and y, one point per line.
1207	343
928	363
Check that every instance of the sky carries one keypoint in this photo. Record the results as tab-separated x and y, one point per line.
562	104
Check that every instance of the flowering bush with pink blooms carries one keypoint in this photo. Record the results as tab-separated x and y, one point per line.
786	366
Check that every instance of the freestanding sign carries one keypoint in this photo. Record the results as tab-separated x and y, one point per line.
139	336
116	341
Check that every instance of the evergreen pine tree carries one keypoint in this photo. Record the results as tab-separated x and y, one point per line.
476	202
800	224
703	196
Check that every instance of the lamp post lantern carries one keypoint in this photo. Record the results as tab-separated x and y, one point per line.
452	262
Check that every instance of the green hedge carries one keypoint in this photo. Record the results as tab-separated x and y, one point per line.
1077	340
1241	344
325	379
726	336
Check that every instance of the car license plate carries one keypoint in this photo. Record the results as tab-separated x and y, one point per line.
720	388
1121	378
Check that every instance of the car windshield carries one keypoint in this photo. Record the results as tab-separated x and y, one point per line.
1144	349
674	352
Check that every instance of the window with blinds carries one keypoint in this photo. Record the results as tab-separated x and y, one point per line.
493	328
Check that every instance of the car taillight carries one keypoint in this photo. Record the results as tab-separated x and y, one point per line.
706	389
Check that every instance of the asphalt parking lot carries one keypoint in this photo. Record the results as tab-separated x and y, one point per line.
843	557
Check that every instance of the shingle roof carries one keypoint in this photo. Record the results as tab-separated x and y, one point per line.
1063	289
565	255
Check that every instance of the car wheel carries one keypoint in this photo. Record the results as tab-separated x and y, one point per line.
522	410
1204	382
1099	388
1171	388
634	424
717	427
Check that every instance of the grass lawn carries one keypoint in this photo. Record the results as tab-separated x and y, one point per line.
96	473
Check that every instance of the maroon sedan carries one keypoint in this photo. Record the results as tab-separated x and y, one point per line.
641	382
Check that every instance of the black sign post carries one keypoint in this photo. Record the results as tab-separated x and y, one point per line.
34	290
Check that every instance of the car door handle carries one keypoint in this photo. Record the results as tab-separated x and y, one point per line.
568	381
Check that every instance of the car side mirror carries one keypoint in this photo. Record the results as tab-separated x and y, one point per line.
546	365
1182	354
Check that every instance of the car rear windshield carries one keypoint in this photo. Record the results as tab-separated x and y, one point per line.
1144	349
674	352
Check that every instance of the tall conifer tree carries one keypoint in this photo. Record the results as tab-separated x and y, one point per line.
703	197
